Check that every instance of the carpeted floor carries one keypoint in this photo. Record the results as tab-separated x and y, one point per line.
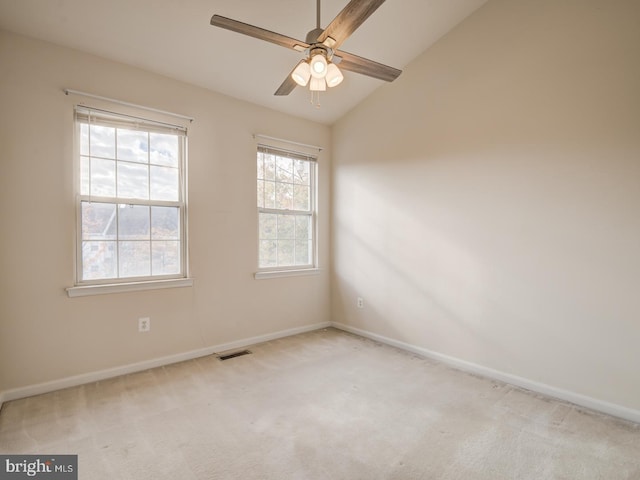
323	405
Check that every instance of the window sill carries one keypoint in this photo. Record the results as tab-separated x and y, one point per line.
86	290
286	273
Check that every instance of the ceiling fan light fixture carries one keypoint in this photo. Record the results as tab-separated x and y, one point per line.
317	84
334	75
318	65
301	74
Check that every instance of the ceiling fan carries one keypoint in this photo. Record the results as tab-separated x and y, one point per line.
319	67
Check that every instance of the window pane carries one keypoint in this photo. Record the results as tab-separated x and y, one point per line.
133	180
284	169
102	141
303	252
269	167
133	145
268	253
286	252
260	174
98	221
303	227
98	260
84	139
268	226
284	196
286	227
135	259
103	177
269	194
165	149
133	222
301	172
164	184
165	223
165	258
301	197
84	176
260	193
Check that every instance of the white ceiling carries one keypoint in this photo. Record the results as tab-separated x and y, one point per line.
174	38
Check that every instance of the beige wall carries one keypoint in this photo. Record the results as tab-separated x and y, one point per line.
44	335
487	203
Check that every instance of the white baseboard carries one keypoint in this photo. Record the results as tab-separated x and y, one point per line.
46	387
566	395
548	390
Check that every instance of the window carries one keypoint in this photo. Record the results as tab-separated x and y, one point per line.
131	202
286	210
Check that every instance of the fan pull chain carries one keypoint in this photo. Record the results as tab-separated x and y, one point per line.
315	94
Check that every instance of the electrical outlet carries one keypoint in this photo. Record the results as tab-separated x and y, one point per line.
144	324
360	302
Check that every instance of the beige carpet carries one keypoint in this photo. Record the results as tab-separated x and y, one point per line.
323	405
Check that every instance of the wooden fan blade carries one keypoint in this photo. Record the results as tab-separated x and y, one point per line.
350	18
354	63
289	83
257	32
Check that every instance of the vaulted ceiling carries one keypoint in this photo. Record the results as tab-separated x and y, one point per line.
174	38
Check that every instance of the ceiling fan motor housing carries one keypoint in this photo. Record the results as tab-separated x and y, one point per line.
313	35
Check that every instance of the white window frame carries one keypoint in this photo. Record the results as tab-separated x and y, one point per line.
292	270
91	115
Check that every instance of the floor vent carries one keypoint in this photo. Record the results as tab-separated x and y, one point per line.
240	353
